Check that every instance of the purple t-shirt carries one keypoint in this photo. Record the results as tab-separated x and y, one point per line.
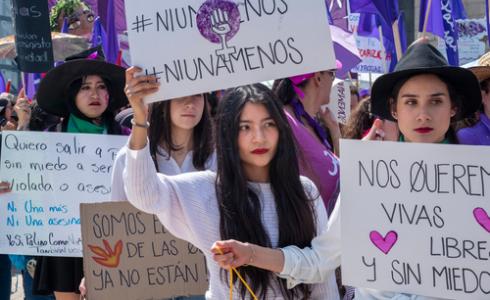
476	135
316	162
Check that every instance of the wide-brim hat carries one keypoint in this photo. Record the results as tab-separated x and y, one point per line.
482	70
52	91
423	58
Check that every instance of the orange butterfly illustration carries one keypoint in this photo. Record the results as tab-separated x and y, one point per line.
108	257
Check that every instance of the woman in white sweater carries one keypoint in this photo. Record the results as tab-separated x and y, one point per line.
256	195
181	140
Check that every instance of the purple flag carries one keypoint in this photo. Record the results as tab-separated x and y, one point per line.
32	81
2	83
488	20
98	35
338	13
64	28
450	32
387	10
112	50
345	49
458	10
434	22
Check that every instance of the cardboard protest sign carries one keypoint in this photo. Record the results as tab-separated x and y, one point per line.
33	36
196	46
50	175
339	104
415	218
130	255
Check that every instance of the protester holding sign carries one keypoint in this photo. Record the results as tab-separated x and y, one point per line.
253	196
424	95
303	95
86	91
479	132
180	137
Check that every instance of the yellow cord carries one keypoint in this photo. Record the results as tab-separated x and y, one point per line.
241	279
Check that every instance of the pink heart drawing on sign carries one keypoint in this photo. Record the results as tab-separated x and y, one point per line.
482	218
383	243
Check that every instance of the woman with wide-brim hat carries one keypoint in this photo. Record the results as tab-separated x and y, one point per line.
478	132
86	92
423	95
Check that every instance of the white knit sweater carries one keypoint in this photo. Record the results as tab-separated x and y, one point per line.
186	205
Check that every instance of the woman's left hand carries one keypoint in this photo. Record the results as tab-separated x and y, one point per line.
232	254
23	109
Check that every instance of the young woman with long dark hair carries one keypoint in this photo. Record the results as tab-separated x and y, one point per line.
256	195
86	92
424	96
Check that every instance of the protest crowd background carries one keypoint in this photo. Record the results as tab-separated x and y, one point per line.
207	149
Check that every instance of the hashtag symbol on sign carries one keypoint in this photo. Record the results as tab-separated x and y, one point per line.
154	73
141	23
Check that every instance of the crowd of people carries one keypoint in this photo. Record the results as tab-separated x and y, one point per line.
250	175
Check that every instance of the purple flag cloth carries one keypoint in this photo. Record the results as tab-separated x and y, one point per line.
64	28
345	49
488	19
434	22
450	32
31	81
2	83
458	10
112	40
98	35
338	13
387	10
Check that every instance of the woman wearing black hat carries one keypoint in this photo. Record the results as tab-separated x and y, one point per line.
86	92
424	95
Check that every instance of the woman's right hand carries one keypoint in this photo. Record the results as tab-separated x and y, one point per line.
23	109
5	187
136	89
376	133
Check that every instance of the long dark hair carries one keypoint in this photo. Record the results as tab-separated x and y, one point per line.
107	116
240	207
456	98
284	90
359	121
160	134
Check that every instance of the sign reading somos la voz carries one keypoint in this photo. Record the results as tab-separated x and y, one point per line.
196	46
50	175
415	218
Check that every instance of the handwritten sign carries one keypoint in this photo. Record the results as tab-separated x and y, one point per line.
33	36
130	255
415	218
50	175
339	103
196	46
374	59
472	39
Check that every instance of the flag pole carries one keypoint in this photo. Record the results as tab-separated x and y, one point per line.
426	17
396	36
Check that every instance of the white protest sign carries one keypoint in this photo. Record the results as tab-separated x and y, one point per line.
472	39
373	60
196	46
339	104
415	218
50	175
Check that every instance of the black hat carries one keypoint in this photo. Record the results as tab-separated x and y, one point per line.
52	92
423	58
